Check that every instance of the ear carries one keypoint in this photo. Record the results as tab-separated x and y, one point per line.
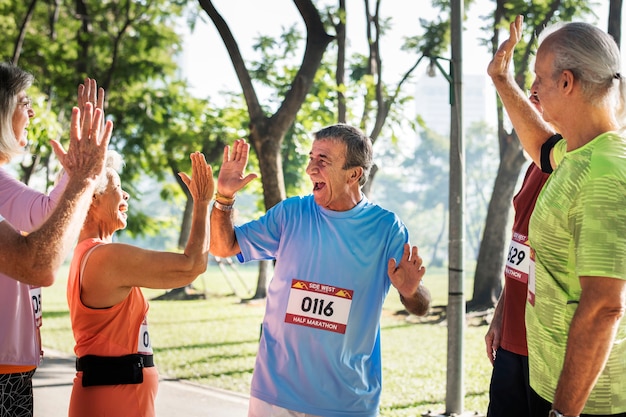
355	174
567	81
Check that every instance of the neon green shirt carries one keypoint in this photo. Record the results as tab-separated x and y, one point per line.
578	228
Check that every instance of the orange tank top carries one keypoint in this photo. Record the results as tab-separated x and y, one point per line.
116	331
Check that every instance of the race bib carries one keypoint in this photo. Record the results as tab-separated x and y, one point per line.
144	344
531	278
518	262
35	298
320	306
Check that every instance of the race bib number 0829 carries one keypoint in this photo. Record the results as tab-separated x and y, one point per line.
318	305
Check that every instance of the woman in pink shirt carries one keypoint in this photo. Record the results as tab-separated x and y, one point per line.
25	209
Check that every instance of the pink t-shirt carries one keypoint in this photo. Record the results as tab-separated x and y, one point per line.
20	304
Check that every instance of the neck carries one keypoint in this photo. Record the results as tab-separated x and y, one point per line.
586	124
93	231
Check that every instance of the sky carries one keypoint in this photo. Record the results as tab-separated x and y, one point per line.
209	70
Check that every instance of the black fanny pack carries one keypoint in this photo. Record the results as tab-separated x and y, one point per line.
113	370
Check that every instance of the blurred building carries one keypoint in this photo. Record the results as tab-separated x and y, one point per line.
432	101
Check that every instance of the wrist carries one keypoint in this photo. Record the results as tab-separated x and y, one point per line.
223	207
224	199
555	413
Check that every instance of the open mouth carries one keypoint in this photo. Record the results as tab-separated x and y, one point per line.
318	186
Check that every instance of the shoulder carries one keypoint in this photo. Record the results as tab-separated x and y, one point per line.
609	155
379	211
7	181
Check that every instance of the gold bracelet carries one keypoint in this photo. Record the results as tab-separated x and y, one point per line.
223	207
227	200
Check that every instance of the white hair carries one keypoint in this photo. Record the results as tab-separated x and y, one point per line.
593	57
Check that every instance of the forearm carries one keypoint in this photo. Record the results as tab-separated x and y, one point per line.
528	123
498	312
419	303
591	335
46	248
223	242
492	338
197	248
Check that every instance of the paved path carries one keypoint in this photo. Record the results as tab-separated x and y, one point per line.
53	385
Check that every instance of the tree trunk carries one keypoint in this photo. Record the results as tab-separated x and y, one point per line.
83	35
267	133
19	42
615	20
490	264
340	75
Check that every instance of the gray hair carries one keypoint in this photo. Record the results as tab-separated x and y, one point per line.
13	80
593	57
359	152
113	162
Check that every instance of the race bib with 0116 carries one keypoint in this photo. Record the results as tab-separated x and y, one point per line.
317	305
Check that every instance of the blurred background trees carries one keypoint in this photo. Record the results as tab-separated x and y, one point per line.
291	85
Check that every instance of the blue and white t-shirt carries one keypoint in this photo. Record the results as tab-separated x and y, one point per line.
319	351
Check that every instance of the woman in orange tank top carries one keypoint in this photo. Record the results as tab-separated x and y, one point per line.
116	375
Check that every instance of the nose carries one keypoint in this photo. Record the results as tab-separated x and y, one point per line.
31	113
533	88
309	167
125	196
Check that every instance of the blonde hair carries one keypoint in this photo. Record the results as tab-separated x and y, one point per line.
13	80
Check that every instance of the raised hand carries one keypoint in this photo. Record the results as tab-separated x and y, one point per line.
501	61
200	185
90	93
231	177
89	139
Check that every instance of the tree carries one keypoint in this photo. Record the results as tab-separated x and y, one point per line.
267	131
380	100
131	45
615	20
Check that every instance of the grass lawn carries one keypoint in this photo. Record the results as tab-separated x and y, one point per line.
214	342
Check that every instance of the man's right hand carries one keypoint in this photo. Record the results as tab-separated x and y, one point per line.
231	177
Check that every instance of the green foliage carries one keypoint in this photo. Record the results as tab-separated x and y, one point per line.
129	47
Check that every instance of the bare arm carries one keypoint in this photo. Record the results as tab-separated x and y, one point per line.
526	119
25	208
407	277
230	180
591	335
223	239
34	259
113	269
494	333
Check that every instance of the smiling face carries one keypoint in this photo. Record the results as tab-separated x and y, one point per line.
21	118
109	208
334	187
